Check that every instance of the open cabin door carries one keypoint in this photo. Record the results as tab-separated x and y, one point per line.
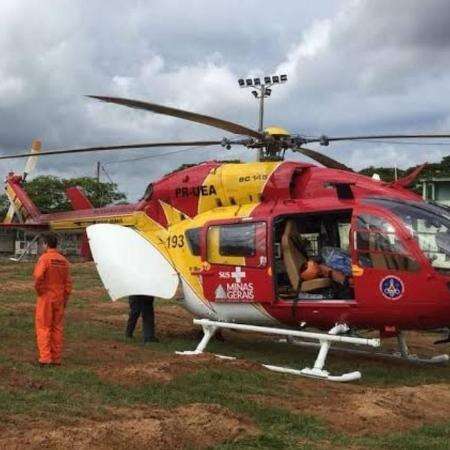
235	262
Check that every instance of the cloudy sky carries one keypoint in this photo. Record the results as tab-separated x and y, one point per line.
354	66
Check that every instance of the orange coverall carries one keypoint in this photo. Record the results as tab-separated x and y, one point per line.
53	285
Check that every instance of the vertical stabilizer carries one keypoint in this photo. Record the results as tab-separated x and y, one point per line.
78	198
21	205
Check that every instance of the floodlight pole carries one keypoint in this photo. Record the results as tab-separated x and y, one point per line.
261	108
262	90
261	119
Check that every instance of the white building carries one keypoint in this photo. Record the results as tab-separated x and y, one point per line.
436	189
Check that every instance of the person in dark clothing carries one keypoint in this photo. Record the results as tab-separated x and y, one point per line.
141	305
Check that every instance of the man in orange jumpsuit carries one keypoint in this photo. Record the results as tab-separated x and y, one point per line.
53	285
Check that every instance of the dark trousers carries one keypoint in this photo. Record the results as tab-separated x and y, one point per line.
141	305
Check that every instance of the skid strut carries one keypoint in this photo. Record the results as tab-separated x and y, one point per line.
325	342
402	353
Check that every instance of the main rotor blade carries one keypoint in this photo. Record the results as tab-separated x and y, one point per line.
182	114
324	140
116	147
321	158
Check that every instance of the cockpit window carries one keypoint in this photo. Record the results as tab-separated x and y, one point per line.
428	224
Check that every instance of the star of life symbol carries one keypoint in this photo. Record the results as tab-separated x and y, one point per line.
238	274
220	293
392	287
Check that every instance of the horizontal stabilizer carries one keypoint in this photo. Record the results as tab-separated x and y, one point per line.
129	264
37	227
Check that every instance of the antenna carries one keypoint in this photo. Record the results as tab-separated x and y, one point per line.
262	88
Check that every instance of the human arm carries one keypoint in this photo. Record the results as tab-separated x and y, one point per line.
67	288
39	275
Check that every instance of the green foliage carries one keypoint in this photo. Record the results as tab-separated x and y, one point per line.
4	205
385	173
48	192
441	169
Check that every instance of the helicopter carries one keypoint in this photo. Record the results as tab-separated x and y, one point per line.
272	246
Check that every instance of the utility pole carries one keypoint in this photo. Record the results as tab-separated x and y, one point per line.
98	171
260	92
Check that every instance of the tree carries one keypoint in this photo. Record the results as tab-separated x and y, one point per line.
4	206
441	169
48	192
385	173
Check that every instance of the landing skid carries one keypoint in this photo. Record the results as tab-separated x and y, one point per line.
402	353
325	342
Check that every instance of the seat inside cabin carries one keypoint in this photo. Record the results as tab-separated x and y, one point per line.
299	239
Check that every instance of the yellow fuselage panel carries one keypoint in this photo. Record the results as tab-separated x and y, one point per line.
178	249
236	184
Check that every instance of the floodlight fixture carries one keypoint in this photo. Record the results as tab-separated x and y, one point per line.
261	90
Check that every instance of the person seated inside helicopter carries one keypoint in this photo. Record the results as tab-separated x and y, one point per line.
325	276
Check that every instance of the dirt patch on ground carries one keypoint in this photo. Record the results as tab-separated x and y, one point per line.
191	426
16	286
162	370
363	411
166	368
171	321
92	293
13	380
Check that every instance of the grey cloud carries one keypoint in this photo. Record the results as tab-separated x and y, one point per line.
354	66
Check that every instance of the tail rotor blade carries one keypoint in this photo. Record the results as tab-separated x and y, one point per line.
30	165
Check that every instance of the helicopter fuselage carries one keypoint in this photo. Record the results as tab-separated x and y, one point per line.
232	233
206	210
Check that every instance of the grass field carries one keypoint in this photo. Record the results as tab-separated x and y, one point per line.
113	393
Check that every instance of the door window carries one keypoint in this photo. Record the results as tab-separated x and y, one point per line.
242	244
428	224
378	245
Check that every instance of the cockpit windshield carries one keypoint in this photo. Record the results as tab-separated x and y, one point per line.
428	224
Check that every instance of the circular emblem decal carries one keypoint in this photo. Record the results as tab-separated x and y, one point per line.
392	287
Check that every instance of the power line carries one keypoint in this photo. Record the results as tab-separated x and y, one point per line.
107	174
153	156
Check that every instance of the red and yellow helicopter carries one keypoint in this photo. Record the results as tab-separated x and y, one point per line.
273	246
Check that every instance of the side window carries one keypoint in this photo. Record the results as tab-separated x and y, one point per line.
237	244
378	246
193	240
